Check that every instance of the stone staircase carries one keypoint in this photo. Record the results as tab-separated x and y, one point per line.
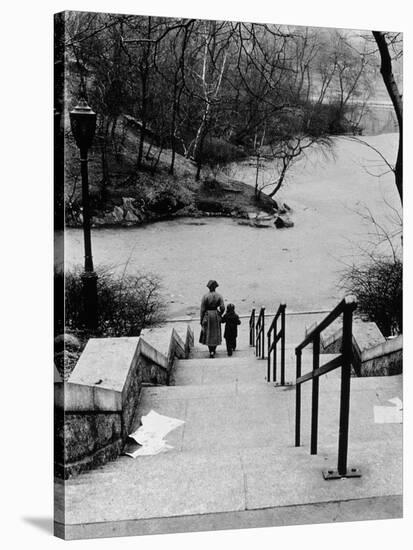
233	462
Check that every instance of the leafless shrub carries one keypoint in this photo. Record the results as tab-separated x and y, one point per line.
126	303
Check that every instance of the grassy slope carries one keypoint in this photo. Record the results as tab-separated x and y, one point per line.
220	195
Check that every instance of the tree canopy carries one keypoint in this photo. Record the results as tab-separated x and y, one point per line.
206	89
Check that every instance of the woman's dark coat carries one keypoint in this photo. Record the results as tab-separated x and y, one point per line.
212	306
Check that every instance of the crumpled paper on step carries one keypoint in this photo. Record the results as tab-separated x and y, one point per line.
152	432
389	415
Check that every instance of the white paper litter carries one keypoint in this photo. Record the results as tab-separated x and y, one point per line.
152	432
397	401
389	415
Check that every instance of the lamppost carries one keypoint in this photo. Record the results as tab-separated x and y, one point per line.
83	125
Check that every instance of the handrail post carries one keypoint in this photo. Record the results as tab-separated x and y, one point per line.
345	390
314	399
283	345
274	359
252	327
258	336
298	399
263	334
344	360
257	342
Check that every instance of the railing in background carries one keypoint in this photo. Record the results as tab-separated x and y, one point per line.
344	360
273	337
259	334
252	328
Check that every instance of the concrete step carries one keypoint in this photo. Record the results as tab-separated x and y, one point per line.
235	454
233	462
218	371
217	360
223	370
202	353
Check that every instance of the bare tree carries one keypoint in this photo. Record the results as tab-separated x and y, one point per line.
385	41
210	89
215	40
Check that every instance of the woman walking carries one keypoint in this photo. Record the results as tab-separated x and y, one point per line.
212	306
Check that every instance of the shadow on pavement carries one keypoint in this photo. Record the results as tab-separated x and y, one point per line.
43	524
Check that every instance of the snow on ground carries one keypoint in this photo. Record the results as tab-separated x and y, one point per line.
300	265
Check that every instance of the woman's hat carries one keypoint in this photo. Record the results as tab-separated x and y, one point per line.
212	284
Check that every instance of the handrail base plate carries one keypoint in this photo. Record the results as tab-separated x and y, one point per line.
279	385
333	474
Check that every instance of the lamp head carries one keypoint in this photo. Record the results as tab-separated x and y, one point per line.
83	124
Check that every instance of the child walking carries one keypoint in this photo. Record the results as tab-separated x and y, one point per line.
231	321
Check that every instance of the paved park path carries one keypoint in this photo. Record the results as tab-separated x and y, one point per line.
233	462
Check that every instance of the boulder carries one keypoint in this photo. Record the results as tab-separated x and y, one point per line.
132	214
127	203
281	222
97	221
264	216
118	213
109	218
131	217
189	210
284	208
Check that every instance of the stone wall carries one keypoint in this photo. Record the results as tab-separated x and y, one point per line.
374	355
366	334
384	359
95	408
85	440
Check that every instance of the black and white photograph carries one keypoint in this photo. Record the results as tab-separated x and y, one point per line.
226	278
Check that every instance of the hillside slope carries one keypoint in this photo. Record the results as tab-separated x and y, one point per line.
301	265
151	192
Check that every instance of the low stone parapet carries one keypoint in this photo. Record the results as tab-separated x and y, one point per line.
95	408
374	355
384	359
366	334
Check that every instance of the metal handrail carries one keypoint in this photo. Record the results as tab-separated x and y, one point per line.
344	360
273	337
252	328
259	334
332	316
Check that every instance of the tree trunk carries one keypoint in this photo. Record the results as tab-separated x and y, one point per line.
144	69
396	98
257	170
173	126
104	159
141	142
286	163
